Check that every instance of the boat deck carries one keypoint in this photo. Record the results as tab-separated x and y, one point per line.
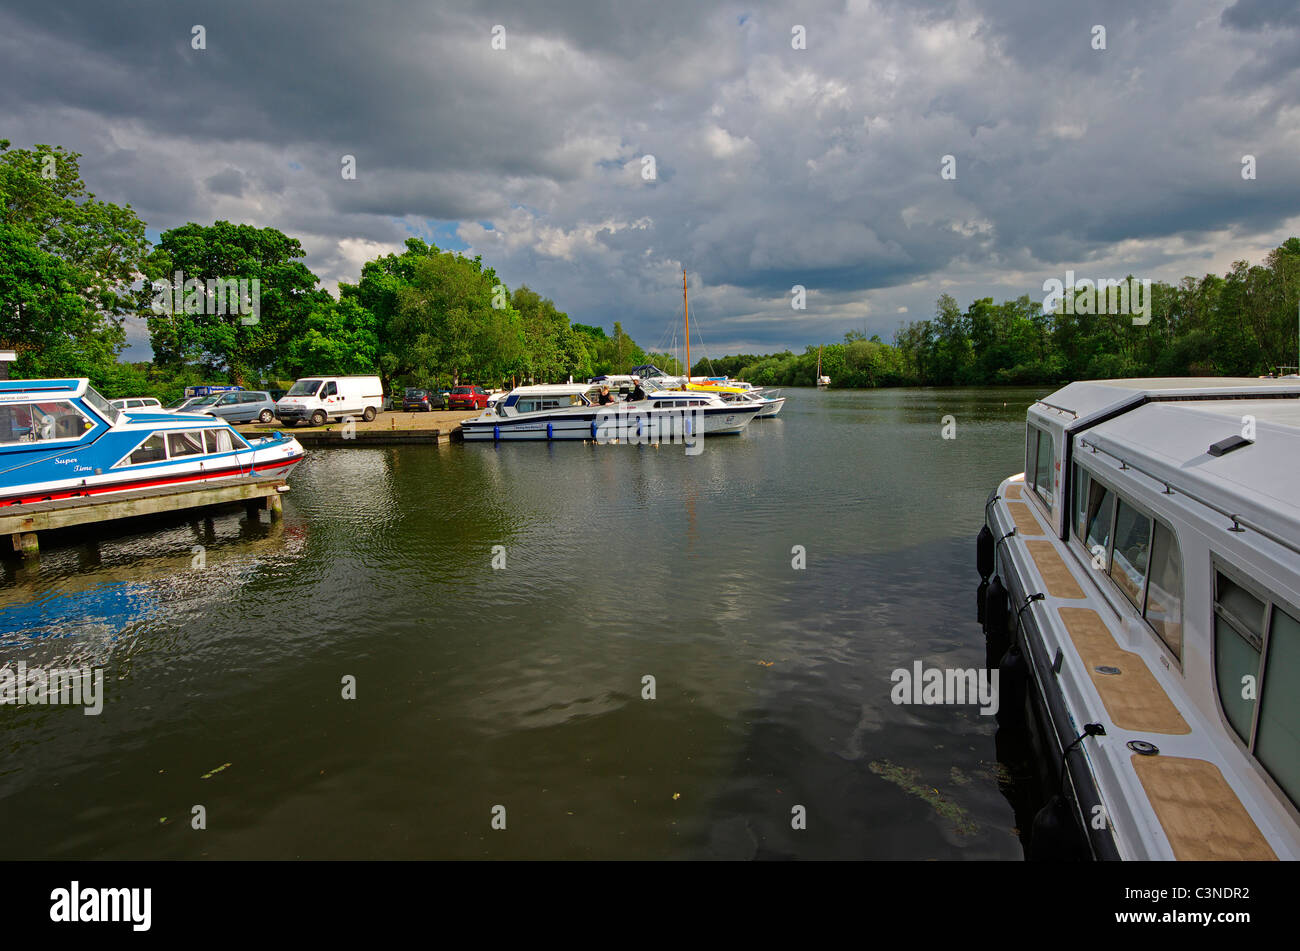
1190	797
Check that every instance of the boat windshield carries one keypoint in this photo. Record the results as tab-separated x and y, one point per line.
304	388
101	406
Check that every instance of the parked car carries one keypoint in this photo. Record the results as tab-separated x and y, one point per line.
242	406
139	404
316	399
468	397
419	401
192	404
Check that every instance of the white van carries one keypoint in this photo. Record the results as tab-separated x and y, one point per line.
318	398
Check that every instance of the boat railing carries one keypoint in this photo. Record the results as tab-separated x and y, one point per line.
1239	522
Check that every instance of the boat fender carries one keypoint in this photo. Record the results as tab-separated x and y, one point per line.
984	559
496	433
981	595
593	429
1054	836
996	611
1013	675
550	431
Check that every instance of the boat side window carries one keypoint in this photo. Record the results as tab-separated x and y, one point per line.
526	406
217	440
1164	607
1277	736
1238	649
184	444
1044	456
1080	497
1100	505
1257	667
1132	551
153	449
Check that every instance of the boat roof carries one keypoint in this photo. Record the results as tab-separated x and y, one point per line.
72	387
1171	441
1087	400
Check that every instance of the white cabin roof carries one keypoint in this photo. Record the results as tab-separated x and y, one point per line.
1171	441
1089	399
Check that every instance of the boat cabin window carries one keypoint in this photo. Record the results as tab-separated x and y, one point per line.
41	421
184	444
1132	550
1257	669
1164	608
160	447
1101	504
153	449
1040	458
100	405
1138	553
217	440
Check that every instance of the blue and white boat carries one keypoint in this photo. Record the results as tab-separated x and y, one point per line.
59	439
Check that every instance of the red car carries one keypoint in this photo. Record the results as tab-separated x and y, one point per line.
468	397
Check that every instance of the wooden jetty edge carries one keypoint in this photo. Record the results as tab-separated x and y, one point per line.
23	522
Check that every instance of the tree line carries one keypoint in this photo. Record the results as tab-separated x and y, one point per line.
1245	323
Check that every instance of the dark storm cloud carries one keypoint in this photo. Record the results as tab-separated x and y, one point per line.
775	166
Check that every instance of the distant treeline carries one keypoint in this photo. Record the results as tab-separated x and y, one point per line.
72	268
1242	324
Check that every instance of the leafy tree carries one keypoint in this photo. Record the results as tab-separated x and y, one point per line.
244	345
67	261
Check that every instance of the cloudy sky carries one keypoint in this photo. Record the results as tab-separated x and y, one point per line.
773	165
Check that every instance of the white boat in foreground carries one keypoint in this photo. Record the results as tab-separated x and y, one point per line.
1145	605
572	411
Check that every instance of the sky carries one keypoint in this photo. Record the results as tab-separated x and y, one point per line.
792	143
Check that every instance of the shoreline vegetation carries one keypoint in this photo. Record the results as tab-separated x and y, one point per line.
73	268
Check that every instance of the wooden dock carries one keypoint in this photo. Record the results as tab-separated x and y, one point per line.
23	522
387	429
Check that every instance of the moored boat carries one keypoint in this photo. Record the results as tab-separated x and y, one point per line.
572	411
60	439
1144	613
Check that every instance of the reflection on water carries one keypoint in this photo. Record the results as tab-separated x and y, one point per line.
524	685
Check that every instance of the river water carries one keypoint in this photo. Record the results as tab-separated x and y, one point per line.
501	610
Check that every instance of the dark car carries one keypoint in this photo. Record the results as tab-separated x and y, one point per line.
468	397
419	401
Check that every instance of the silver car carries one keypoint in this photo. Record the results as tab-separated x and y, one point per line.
242	406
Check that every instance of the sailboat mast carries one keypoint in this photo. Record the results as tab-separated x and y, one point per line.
686	309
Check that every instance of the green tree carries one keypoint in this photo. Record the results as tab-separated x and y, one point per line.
68	263
243	345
